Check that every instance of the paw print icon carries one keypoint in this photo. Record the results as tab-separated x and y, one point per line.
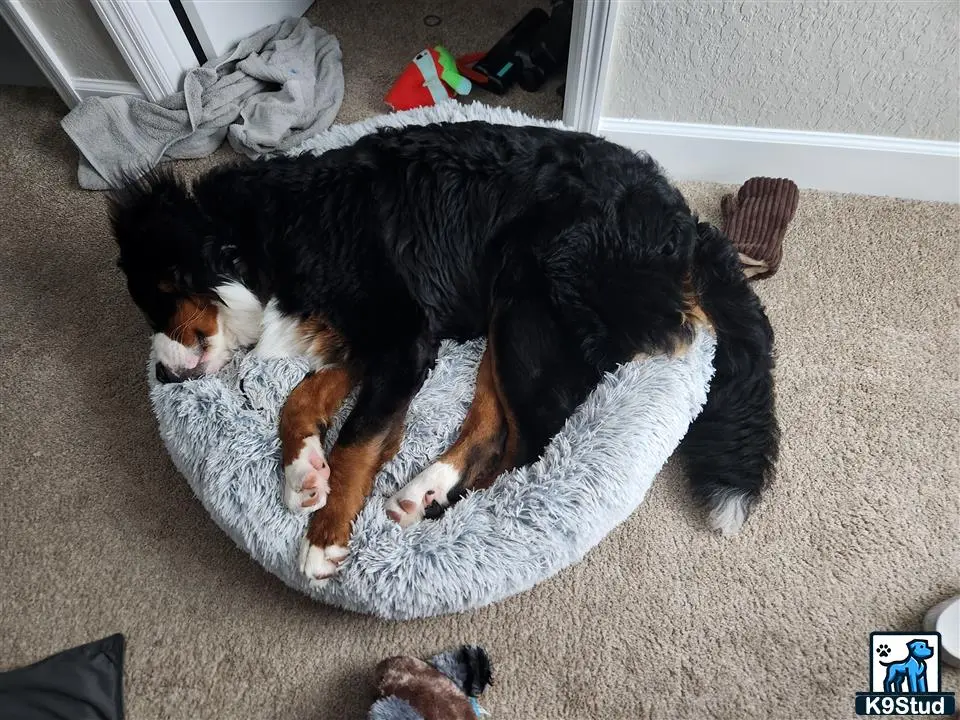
883	650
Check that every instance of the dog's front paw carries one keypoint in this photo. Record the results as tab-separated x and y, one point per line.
306	480
428	492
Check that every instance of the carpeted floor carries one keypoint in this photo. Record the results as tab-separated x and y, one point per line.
98	534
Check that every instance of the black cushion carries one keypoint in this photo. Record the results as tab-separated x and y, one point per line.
83	683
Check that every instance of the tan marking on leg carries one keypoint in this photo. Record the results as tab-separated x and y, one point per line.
323	341
511	439
693	313
478	451
693	317
352	470
310	406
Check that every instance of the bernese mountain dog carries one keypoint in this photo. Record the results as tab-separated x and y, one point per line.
569	253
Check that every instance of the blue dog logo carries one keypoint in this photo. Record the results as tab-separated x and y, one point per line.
905	676
910	672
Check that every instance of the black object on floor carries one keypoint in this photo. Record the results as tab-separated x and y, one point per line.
533	50
549	49
501	65
83	683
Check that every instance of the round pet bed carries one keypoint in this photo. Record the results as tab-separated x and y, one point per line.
221	432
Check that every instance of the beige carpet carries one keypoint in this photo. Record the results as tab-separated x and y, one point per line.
98	534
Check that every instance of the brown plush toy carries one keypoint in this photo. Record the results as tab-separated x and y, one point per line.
445	688
756	219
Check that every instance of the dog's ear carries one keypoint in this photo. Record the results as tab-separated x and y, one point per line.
153	200
161	231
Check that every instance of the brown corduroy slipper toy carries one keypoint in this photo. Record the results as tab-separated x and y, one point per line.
756	219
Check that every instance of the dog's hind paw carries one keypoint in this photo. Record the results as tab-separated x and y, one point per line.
320	563
427	493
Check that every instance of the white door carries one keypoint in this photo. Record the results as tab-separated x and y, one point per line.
220	24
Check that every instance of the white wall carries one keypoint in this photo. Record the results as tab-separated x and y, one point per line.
81	42
873	68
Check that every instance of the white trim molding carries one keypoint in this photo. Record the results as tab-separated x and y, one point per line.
151	41
862	164
95	87
590	42
43	54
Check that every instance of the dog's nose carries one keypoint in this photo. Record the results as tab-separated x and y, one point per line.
165	375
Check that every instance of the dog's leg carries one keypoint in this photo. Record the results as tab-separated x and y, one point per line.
370	436
914	670
474	460
303	425
354	465
897	673
530	380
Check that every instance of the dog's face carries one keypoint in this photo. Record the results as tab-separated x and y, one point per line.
920	649
193	333
199	319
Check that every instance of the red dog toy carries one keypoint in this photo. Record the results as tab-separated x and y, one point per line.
432	78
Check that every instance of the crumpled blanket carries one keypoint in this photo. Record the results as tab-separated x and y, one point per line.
275	89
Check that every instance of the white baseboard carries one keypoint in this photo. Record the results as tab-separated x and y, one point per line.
94	87
862	164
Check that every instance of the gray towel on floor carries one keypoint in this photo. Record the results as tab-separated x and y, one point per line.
278	87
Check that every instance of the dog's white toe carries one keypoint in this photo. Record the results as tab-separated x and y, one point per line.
320	563
306	479
409	504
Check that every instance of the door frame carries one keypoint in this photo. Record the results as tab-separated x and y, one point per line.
151	40
127	23
591	38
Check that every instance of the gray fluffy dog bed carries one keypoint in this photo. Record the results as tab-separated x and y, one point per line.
221	432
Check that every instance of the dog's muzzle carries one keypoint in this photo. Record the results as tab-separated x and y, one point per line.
166	375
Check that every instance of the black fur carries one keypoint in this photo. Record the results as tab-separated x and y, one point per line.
731	449
571	253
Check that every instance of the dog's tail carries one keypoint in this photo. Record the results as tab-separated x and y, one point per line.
731	448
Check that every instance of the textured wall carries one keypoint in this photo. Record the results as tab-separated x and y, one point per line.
877	68
74	30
